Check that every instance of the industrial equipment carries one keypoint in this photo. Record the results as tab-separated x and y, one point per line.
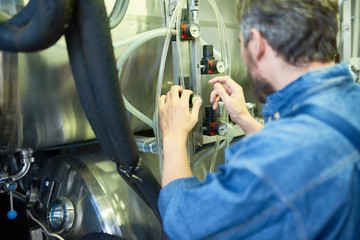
80	144
80	141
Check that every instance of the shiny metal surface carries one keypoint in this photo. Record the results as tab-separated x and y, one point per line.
39	105
31	195
61	215
102	200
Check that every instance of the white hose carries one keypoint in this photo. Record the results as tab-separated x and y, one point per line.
224	40
176	14
118	12
130	40
202	156
227	60
178	46
137	113
145	37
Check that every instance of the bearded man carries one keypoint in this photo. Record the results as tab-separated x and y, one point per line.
299	176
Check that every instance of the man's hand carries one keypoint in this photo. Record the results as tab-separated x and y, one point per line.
232	95
176	121
175	116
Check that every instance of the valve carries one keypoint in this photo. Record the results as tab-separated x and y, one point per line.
193	98
211	125
208	63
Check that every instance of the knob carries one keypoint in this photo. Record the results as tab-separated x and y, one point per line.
208	52
61	215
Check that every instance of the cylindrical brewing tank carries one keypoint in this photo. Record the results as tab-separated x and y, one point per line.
88	187
39	105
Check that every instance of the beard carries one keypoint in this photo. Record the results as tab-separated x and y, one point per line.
261	87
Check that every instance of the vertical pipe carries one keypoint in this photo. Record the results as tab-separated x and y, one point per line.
195	71
355	42
347	31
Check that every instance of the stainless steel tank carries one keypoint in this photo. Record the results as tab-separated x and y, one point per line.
39	105
88	188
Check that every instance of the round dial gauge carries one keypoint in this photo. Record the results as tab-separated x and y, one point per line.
222	129
220	66
194	30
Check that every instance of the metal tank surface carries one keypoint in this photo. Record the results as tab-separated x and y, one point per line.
39	103
100	199
50	158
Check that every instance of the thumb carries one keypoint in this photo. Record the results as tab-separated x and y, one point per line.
220	90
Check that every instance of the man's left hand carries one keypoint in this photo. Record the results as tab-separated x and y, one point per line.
176	120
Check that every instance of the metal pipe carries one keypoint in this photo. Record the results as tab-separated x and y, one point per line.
21	173
355	42
347	4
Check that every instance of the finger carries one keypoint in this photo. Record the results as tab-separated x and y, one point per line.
174	92
229	84
215	104
220	90
185	97
196	109
228	89
220	79
162	101
213	96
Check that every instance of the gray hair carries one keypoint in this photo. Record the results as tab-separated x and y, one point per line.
300	31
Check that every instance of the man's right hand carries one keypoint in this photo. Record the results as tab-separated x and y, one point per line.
232	95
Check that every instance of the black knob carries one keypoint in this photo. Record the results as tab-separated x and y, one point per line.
209	114
208	52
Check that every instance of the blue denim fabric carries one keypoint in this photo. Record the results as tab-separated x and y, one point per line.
298	178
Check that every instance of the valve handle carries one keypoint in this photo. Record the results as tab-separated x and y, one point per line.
12	214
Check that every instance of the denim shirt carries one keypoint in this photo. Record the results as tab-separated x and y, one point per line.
297	178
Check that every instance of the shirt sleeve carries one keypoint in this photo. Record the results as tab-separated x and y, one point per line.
225	203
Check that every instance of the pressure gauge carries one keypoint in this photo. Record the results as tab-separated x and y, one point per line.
192	31
221	129
219	66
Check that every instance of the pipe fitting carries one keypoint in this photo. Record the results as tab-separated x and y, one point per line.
26	158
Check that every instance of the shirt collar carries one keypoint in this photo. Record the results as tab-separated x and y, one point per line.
293	91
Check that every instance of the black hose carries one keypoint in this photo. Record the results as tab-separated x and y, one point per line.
37	26
94	67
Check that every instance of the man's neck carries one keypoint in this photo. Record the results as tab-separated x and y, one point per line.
283	74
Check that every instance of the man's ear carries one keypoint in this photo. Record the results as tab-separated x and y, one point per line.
258	44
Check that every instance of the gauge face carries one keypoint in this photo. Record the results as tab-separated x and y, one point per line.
220	66
222	129
195	30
